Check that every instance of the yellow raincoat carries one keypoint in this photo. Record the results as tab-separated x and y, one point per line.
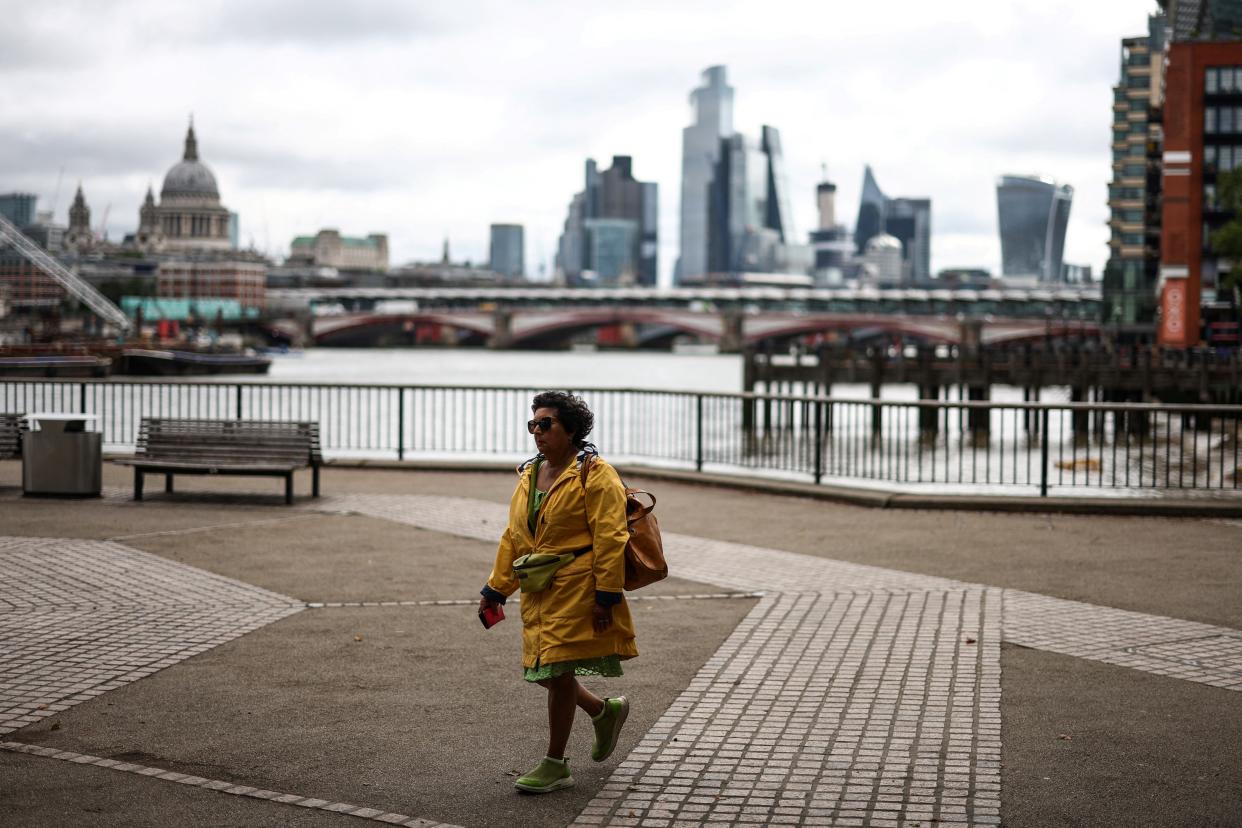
557	623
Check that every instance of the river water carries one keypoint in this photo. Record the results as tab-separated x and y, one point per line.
526	369
661	371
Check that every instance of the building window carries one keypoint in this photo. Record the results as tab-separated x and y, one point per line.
1209	120
1237	78
1225	119
1209	81
1209	196
1226	80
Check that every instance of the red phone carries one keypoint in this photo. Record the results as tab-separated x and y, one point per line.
492	616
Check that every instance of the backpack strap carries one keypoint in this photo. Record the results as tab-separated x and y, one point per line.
643	511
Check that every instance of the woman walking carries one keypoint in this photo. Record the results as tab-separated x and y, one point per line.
579	623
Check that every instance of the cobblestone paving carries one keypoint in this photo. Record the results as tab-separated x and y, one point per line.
80	617
373	814
829	709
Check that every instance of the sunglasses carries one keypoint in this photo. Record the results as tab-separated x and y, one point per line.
544	424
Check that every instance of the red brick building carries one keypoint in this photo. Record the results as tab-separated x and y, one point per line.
207	279
1202	137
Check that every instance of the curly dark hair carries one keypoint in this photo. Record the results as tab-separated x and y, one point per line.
572	412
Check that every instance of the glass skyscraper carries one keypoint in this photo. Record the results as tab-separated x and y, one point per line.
700	151
907	219
1033	214
750	223
591	246
507	250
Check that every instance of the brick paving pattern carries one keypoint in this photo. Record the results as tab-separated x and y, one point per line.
829	709
1154	644
80	617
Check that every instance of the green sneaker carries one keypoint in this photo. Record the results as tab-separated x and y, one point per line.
608	727
548	776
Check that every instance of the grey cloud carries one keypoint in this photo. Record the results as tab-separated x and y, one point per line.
83	152
297	21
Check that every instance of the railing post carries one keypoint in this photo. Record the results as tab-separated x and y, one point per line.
698	433
81	398
819	441
239	401
400	423
1043	454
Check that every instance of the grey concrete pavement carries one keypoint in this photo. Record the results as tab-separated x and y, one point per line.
353	703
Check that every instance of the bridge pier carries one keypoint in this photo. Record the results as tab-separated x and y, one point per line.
733	334
1079	420
979	419
929	416
502	337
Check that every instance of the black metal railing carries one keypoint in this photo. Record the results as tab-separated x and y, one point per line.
965	446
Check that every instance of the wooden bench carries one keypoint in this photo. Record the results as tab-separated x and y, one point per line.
234	447
11	436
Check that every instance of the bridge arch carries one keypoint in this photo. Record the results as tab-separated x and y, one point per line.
530	328
369	327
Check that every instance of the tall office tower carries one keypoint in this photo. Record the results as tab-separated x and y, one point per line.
507	250
907	219
1132	271
700	149
750	225
1202	138
611	234
1033	213
779	213
870	210
18	208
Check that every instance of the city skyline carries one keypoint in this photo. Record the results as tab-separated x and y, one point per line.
304	129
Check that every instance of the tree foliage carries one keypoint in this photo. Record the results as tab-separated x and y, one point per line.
1227	241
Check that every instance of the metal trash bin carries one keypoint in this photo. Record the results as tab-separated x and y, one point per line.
62	456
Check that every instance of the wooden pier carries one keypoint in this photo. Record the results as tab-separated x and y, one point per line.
1093	374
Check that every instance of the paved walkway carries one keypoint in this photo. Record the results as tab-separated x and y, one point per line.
849	694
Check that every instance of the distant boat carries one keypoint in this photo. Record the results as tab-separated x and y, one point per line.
55	366
143	362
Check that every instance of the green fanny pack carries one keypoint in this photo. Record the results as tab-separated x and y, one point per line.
534	571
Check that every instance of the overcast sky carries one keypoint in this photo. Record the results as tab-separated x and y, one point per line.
425	120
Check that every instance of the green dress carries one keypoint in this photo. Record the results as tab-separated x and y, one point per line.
608	666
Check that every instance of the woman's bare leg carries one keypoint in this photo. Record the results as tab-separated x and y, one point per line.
588	701
562	701
565	693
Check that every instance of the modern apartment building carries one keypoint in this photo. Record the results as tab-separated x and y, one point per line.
1132	271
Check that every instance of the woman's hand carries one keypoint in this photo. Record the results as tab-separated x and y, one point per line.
486	604
603	618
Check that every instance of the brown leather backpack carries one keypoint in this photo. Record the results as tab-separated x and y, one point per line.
644	552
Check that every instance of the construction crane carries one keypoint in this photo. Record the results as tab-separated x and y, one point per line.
73	284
